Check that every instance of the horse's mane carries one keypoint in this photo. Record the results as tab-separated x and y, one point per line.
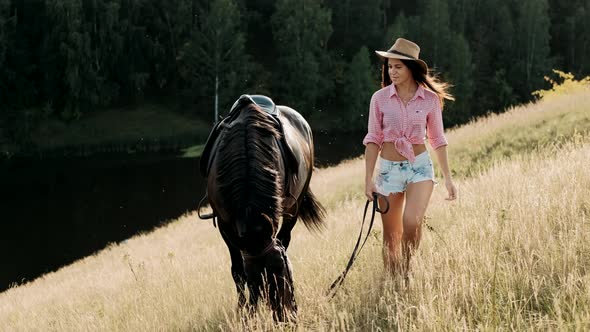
247	165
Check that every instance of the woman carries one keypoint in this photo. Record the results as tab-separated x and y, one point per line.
408	106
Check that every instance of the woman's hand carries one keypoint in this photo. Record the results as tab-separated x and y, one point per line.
451	189
370	189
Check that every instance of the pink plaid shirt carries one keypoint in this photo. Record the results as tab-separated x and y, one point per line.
391	121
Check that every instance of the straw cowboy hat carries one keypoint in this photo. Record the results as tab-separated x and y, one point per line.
404	49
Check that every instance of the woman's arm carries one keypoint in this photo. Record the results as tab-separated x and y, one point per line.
371	153
441	157
372	142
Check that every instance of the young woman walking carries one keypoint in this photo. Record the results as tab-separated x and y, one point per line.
408	106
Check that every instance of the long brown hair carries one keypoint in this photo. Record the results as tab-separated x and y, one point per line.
427	80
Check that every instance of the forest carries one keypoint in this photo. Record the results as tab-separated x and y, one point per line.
66	59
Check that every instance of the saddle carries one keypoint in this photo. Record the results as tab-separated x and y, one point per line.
269	107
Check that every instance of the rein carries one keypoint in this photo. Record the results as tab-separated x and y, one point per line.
358	247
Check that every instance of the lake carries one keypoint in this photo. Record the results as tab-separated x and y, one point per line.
55	211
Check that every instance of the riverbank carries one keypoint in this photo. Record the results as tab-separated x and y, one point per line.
150	128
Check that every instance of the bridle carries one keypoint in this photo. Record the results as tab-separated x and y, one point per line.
358	247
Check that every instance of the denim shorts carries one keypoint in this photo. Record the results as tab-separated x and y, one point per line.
394	176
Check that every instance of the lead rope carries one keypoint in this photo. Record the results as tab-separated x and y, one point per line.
358	247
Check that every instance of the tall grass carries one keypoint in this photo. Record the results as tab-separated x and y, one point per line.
511	253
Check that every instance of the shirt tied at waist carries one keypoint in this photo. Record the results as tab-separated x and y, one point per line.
405	148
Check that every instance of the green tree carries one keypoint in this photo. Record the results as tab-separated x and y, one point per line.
355	21
133	68
436	34
214	59
579	49
107	44
358	88
503	62
167	24
3	40
583	20
570	26
403	26
489	30
70	36
301	31
533	45
399	28
24	25
461	12
460	75
4	46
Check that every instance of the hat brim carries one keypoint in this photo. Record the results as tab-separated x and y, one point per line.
388	55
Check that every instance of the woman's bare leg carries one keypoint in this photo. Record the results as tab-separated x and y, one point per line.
392	232
417	199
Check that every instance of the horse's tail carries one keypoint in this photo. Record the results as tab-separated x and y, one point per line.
311	212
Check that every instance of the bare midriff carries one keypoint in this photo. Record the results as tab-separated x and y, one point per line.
389	152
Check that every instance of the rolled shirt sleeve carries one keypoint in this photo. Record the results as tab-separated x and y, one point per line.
434	127
375	126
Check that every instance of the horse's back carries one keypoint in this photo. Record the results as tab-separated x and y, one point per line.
298	134
296	120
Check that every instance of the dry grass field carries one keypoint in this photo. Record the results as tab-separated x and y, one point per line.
511	253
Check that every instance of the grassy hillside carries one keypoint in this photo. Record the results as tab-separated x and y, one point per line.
561	117
511	253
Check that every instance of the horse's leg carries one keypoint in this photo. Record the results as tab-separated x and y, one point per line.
286	305
254	274
271	273
284	237
237	269
285	232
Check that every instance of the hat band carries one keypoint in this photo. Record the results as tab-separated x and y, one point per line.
400	53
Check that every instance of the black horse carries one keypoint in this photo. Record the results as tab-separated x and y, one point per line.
258	162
